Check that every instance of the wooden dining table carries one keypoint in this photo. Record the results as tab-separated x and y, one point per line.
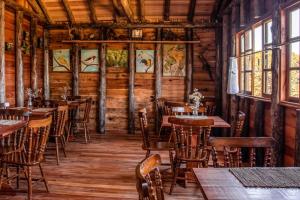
218	121
221	184
37	113
9	126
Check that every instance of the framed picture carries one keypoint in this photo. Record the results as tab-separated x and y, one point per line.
116	58
61	60
173	60
145	61
89	60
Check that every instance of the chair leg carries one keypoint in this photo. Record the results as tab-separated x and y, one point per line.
29	183
85	132
177	166
69	131
57	150
44	177
63	145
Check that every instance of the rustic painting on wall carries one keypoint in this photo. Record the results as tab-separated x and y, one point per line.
173	60
89	60
116	58
61	60
145	61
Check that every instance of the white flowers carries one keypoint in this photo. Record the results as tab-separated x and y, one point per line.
196	97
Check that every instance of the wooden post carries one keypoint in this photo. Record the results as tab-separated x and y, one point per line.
259	129
158	73
218	38
225	67
189	64
2	52
242	13
75	72
277	112
256	7
46	66
297	140
19	60
33	58
102	89
131	111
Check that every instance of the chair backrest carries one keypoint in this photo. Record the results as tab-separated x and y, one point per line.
87	109
210	110
185	110
59	120
160	106
233	156
191	137
144	127
170	104
72	98
37	137
149	183
4	105
13	114
239	124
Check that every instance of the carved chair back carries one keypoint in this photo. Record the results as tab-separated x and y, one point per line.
232	146
87	109
13	114
169	105
190	138
149	183
239	124
144	127
59	120
160	106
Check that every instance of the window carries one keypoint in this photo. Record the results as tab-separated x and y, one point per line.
293	54
255	60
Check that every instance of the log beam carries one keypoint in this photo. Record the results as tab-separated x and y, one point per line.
131	107
125	4
2	52
189	65
243	19
33	58
35	7
91	6
46	66
141	8
256	8
218	39
44	10
75	72
192	9
158	74
68	10
19	60
167	4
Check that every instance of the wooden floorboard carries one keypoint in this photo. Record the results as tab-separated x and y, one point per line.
102	169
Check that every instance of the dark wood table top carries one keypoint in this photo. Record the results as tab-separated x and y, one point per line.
220	184
218	121
37	113
6	129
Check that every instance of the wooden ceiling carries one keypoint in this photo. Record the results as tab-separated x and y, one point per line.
97	11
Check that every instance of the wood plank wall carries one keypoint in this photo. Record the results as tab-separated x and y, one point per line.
10	72
173	88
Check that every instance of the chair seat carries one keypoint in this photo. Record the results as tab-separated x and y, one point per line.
164	146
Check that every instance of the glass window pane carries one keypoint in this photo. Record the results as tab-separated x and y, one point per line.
248	40
258	38
257	87
294	29
242	63
268	82
294	54
294	83
248	81
267	59
248	62
242	43
268	32
242	81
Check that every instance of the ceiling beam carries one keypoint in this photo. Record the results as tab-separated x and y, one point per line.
93	16
68	11
141	7
216	10
44	10
125	4
35	7
167	4
192	9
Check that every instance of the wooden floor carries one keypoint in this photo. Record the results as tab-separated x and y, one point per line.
102	169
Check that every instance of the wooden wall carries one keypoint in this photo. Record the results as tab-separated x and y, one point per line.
173	88
10	72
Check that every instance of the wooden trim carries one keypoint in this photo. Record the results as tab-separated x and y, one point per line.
131	41
91	6
19	60
46	65
167	4
44	10
68	10
192	8
33	57
131	101
158	74
2	52
75	71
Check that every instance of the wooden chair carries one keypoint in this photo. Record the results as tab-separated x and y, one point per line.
85	119
190	138
149	182
72	98
232	150
151	144
28	150
57	129
13	114
239	124
170	104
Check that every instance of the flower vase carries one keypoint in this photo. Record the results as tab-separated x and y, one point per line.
29	103
196	108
